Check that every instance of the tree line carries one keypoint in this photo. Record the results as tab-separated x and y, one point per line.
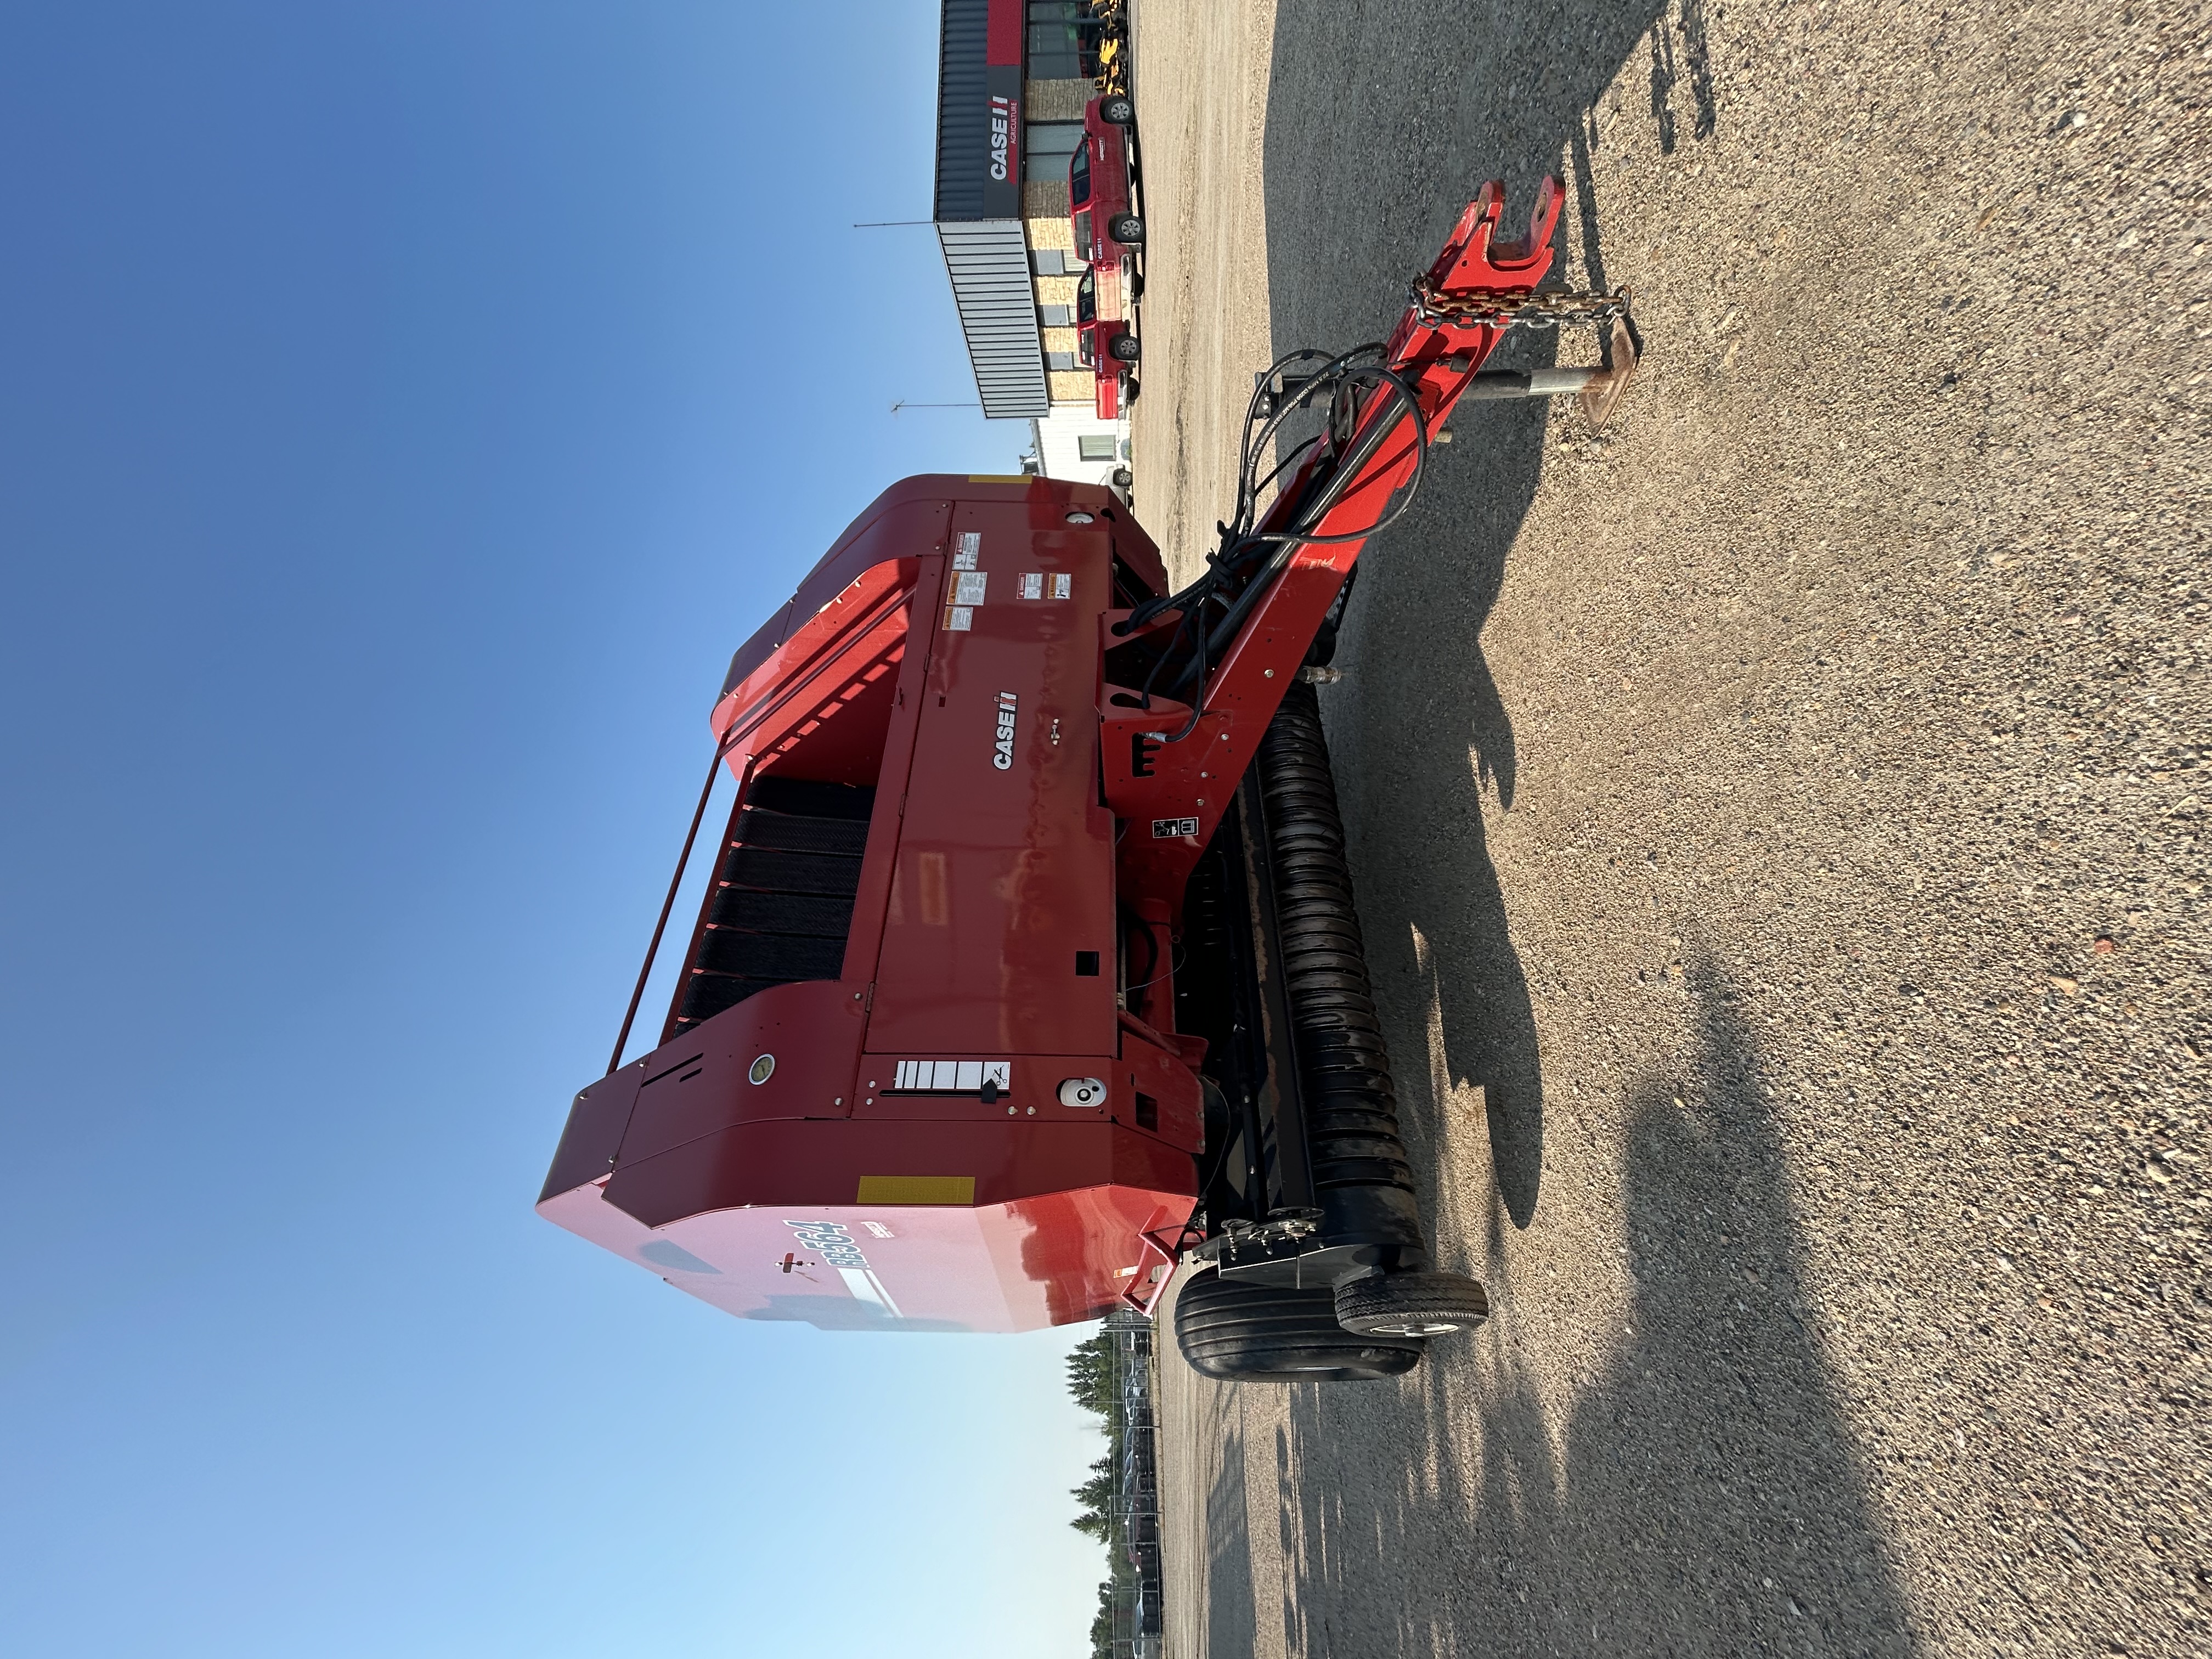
1093	1380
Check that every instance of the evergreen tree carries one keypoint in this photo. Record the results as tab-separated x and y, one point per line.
1090	1374
1095	1495
1101	1626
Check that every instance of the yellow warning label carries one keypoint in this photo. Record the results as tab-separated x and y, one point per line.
917	1189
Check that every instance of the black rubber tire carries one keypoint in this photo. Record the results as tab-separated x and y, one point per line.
1234	1331
1116	111
1128	390
1123	348
1411	1305
1127	230
1122	479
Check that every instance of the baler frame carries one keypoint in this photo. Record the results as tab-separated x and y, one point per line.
1251	1008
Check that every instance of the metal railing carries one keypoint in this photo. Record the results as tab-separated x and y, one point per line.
1134	1517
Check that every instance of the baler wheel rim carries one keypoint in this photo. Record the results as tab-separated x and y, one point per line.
1410	1304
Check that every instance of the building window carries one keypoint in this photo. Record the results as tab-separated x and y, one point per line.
1059	363
1057	41
1048	144
1056	316
1048	262
1095	447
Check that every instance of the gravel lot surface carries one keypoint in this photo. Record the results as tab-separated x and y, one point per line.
1780	826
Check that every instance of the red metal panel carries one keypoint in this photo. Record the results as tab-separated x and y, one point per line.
864	941
702	1081
905	521
830	662
1131	545
1002	40
822	1161
598	1118
1142	1068
1047	1259
1005	867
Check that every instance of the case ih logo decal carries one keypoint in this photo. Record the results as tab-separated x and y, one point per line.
1002	138
999	157
1002	752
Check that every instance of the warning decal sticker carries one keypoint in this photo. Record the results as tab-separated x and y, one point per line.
951	1077
965	548
968	590
1033	585
1169	829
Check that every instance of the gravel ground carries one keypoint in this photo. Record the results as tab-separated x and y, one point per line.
1780	826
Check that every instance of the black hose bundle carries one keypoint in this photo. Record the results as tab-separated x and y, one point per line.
1242	569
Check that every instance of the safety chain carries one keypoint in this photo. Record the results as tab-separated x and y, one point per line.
1525	307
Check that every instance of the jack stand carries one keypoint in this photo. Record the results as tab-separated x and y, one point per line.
1596	391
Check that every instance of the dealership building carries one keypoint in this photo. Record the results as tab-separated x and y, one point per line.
1011	88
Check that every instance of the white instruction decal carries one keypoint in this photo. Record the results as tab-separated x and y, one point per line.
1063	586
969	543
1033	585
952	1077
1169	829
968	587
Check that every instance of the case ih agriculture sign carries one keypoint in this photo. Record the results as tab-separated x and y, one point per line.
1002	85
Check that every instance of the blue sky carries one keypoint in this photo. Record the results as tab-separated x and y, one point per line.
403	411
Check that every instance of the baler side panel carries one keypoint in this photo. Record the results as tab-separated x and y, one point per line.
1005	864
837	664
814	1161
890	519
880	865
701	1083
1011	1267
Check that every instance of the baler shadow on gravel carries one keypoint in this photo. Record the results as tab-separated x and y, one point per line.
1029	964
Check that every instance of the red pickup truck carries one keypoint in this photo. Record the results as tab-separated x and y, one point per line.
1098	201
1107	348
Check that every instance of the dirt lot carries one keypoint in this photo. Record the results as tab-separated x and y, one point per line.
1780	826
